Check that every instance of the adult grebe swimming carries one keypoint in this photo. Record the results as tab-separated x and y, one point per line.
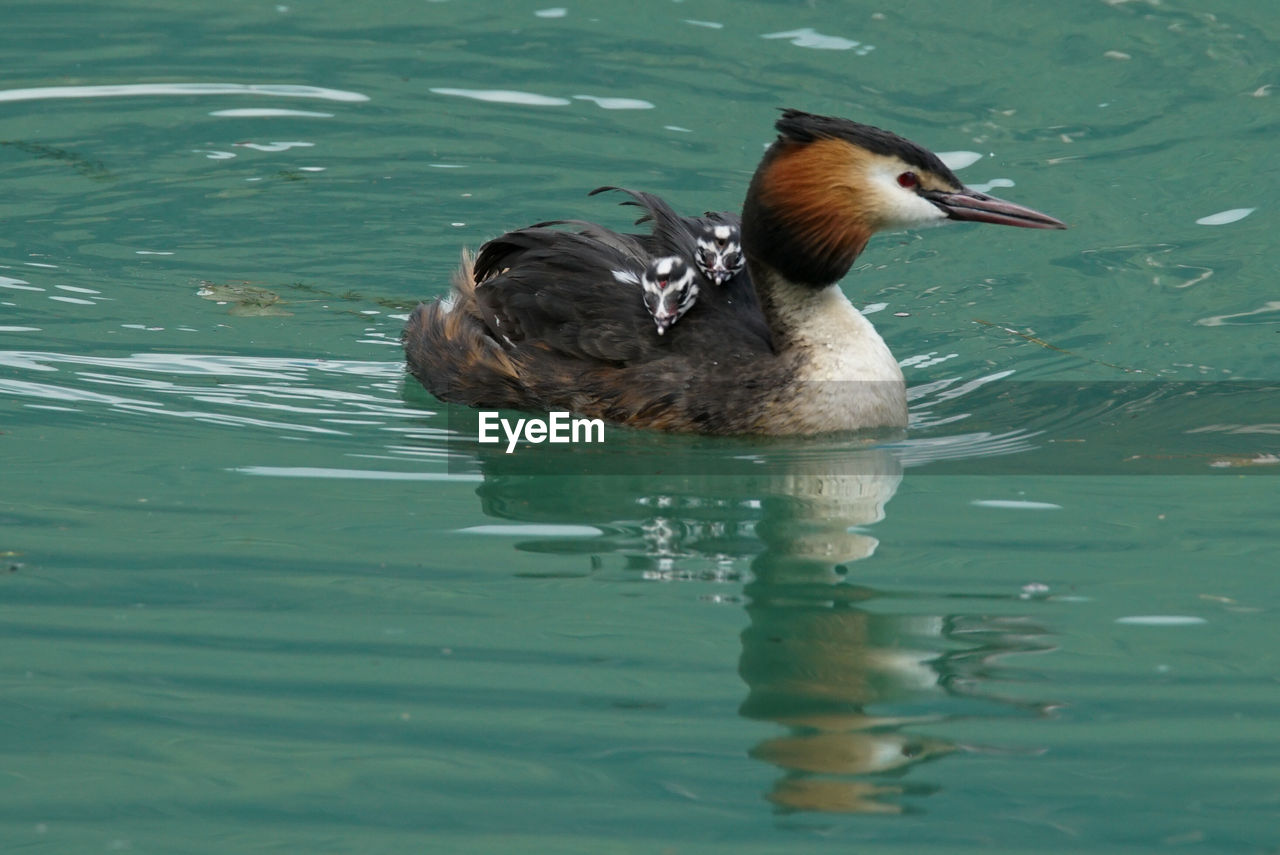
541	320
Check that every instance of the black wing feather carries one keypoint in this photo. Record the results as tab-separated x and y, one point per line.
671	232
556	290
553	289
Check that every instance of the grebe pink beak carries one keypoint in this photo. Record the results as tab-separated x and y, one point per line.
978	207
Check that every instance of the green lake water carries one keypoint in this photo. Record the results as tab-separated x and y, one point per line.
262	593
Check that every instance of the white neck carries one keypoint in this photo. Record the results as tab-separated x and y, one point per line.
845	376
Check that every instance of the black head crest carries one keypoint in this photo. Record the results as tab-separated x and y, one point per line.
799	126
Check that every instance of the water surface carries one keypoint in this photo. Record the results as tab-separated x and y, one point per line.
262	593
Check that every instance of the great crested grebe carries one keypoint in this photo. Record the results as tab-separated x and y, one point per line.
538	322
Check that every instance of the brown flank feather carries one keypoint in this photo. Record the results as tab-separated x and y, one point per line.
465	365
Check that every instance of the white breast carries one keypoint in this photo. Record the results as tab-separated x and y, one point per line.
847	378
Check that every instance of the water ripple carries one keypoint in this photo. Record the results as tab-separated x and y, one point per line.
285	388
41	93
353	474
504	96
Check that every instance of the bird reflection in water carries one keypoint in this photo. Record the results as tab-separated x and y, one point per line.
847	680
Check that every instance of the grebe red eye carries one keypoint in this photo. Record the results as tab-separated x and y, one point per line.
908	180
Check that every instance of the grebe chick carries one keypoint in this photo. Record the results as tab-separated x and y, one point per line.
529	325
719	246
711	243
670	288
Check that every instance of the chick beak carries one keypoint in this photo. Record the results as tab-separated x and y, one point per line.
978	207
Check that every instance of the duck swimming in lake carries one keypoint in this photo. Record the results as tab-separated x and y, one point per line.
537	321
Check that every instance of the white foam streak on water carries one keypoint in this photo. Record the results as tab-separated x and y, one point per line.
808	37
1270	307
504	96
135	89
959	159
353	474
532	99
616	103
540	530
1223	218
1015	505
1161	620
264	112
984	186
275	146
